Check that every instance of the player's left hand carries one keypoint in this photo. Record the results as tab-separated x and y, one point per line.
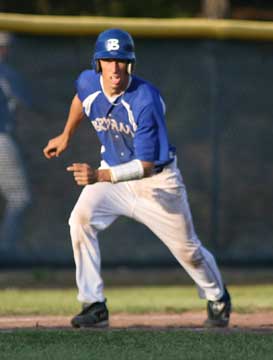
84	174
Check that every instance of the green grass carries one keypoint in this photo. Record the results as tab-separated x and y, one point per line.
130	299
134	345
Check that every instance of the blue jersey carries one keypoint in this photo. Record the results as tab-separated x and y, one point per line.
131	127
13	91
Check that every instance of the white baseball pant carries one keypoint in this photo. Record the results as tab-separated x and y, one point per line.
14	187
160	202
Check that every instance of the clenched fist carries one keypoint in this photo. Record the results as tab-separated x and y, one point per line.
56	146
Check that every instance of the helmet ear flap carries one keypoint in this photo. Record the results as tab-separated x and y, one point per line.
130	68
97	66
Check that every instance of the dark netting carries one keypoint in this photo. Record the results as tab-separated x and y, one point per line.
219	111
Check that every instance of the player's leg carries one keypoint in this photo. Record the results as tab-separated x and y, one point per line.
174	227
97	207
15	190
163	206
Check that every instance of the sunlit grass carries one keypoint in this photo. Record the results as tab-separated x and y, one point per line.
130	299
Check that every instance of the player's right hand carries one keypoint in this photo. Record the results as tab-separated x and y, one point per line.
56	146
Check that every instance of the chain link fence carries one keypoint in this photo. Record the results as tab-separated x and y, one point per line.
219	115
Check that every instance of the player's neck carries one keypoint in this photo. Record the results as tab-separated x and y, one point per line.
113	93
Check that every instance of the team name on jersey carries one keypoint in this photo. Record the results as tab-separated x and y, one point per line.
105	124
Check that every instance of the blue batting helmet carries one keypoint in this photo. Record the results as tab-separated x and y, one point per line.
114	44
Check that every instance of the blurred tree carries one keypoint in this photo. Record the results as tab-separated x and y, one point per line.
129	8
248	9
215	9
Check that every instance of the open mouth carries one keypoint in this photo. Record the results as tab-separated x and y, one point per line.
115	80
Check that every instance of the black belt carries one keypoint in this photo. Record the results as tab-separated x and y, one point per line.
159	168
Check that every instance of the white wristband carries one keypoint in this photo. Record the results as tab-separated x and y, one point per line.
131	170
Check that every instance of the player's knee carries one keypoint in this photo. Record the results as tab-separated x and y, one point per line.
78	217
81	217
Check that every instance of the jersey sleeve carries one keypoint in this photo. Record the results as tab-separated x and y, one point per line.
146	142
85	83
151	141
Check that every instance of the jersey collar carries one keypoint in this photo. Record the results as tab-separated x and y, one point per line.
112	99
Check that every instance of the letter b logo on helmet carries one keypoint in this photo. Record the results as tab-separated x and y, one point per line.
114	44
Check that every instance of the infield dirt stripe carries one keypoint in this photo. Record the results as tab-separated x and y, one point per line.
256	321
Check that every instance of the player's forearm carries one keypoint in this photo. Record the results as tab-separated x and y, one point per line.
75	117
125	172
84	174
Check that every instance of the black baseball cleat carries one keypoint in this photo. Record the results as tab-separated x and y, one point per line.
93	315
219	312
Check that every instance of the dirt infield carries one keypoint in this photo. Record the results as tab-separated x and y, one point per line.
260	321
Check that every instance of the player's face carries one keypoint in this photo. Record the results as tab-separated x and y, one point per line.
115	76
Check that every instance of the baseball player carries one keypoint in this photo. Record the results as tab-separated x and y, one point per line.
14	182
138	178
